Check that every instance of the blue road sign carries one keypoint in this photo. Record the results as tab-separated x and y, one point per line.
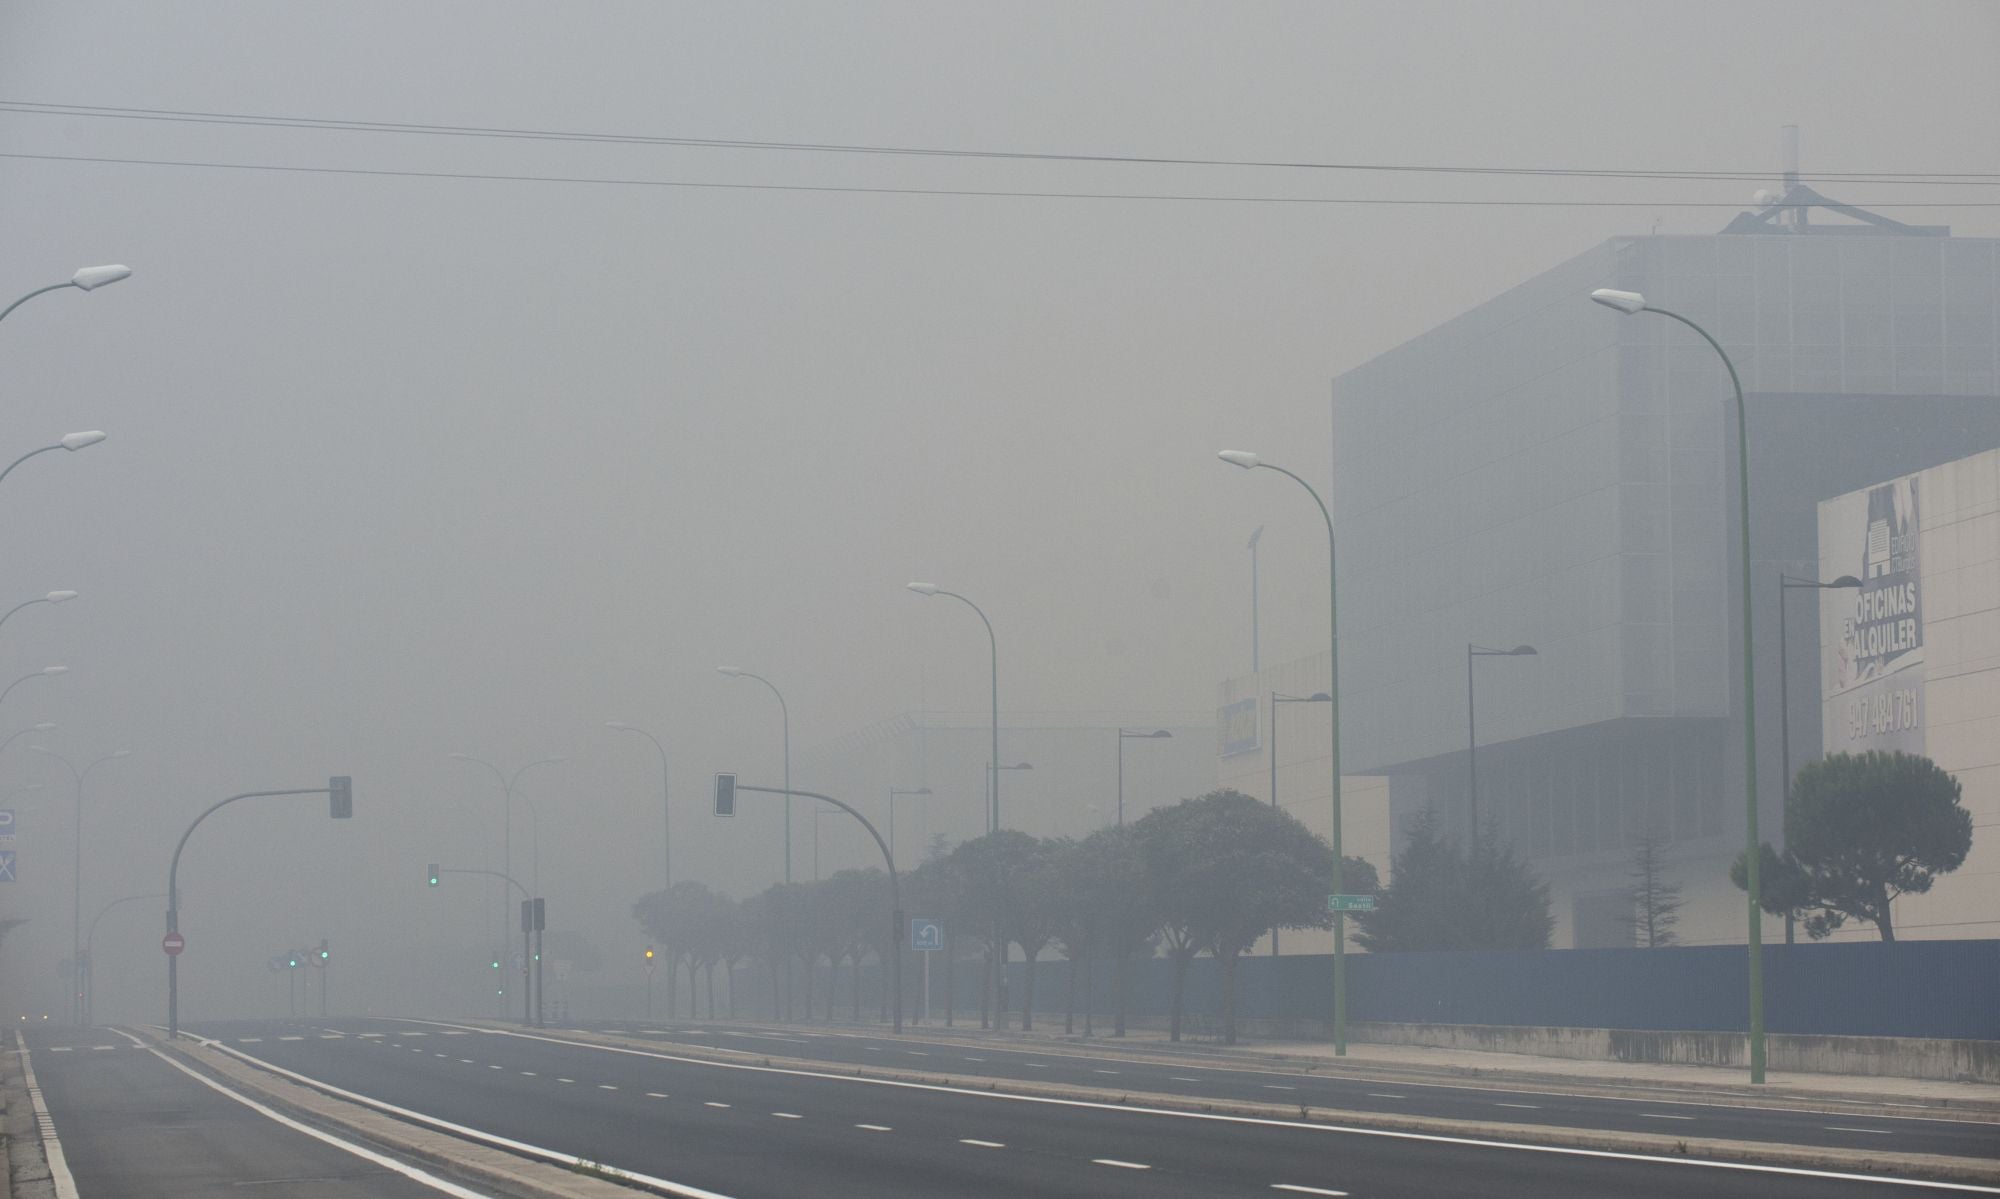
926	935
6	865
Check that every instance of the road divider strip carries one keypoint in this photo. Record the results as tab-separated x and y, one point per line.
1958	1174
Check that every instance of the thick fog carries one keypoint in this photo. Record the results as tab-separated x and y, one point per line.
409	458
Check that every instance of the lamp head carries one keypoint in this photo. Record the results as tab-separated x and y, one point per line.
121	753
55	670
76	441
919	791
461	757
47	726
616	724
1319	697
91	278
1242	458
1844	581
924	588
57	597
1522	651
734	672
1627	302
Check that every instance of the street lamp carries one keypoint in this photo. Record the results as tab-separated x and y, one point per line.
785	716
507	822
1317	697
90	278
46	672
1630	303
78	991
1250	461
44	727
1125	735
53	597
1788	583
1472	737
893	793
666	819
70	441
993	645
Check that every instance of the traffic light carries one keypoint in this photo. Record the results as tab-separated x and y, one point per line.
649	955
325	954
496	963
292	960
725	794
340	797
432	874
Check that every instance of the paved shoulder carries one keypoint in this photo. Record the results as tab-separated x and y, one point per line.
131	1123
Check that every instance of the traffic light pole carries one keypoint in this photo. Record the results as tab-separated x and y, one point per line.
527	991
896	931
340	792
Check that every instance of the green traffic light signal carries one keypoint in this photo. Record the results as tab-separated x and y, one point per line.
433	874
496	963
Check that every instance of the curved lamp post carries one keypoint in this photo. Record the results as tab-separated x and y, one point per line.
79	990
1631	303
1472	737
53	597
70	441
1125	735
44	727
1250	461
785	714
90	278
993	645
44	673
507	822
666	820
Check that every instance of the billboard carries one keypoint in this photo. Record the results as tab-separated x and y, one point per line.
1875	678
1236	727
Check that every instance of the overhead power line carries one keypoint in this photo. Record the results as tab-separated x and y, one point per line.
255	120
1177	197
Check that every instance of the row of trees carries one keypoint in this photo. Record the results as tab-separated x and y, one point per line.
1209	875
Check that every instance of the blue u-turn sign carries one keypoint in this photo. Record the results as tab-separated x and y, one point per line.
926	935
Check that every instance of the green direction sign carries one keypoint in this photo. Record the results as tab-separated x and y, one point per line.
1350	903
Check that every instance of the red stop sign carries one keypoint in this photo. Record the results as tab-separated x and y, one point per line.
173	943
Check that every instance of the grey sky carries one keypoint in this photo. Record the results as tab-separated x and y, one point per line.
402	466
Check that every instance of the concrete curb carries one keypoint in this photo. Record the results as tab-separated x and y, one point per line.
1856	1102
24	1168
1951	1169
479	1165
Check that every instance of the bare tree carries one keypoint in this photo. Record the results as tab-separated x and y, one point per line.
1656	902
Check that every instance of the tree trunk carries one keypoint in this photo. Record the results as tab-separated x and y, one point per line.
777	994
1069	1006
1089	993
1883	920
729	985
1180	985
950	975
1028	990
1229	999
856	960
672	965
1121	976
711	990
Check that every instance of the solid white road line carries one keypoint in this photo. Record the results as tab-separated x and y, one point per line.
1385	1095
1299	1190
1178	1078
1112	1161
52	1149
1880	1132
1273	1087
679	1190
1661	1116
1267	1122
1533	1107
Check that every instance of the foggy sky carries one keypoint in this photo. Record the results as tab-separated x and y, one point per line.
404	466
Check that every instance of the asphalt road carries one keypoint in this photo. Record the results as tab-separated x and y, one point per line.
749	1132
131	1124
1677	1113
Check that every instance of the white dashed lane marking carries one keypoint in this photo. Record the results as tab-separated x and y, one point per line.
1661	1116
788	1115
1529	1106
1880	1132
1299	1190
713	1103
982	1144
1383	1095
1112	1161
605	1086
874	1128
656	1094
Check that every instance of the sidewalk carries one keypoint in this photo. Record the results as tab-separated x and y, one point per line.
1463	1065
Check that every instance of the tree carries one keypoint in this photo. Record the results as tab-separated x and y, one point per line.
1441	897
1656	903
1860	830
997	876
1226	869
1110	886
